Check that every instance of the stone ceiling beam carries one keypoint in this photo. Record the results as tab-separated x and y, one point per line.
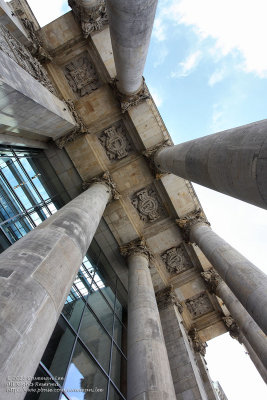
13	23
131	25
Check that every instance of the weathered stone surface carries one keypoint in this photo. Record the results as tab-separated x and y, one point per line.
115	142
148	204
81	75
176	260
199	305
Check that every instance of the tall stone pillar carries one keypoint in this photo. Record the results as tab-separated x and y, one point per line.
185	373
148	374
131	25
246	324
233	162
36	274
245	280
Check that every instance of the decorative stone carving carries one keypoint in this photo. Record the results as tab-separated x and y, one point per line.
212	278
115	142
176	260
167	297
15	50
81	75
199	305
91	19
198	345
77	132
127	102
150	155
232	327
190	220
107	180
137	246
36	49
148	205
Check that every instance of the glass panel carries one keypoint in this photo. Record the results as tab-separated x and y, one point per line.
119	334
95	338
84	375
101	309
42	384
113	394
58	351
118	370
121	300
73	309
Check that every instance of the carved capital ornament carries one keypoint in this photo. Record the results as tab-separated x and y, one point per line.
212	278
135	247
167	297
128	101
105	179
151	153
198	345
191	219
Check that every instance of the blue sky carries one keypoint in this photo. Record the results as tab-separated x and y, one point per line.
207	71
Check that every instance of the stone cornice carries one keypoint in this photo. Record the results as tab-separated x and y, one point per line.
212	279
137	246
91	19
80	129
105	179
167	297
198	345
190	220
128	101
151	153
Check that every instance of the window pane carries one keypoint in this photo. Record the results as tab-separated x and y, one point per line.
73	309
113	394
95	338
85	375
118	370
101	309
57	354
43	383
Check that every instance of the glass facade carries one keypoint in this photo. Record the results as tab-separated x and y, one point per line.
86	355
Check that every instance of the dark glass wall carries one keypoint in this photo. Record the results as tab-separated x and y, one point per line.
86	355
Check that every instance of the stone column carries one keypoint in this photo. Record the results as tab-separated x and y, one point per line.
185	373
246	324
131	25
36	274
232	162
254	358
148	373
245	280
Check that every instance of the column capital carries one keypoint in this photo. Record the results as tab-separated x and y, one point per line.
167	297
91	18
104	179
198	345
131	100
212	278
80	129
151	153
136	247
187	222
232	327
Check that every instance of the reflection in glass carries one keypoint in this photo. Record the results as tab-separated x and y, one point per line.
113	394
84	374
101	309
95	338
118	370
57	353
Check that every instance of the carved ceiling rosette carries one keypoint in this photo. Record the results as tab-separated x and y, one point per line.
115	142
148	205
199	305
176	260
82	76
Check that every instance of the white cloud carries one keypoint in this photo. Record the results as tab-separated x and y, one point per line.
48	10
234	25
156	96
188	65
159	29
216	77
161	56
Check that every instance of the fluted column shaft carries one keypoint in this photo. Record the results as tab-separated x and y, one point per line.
131	25
233	162
246	281
149	375
36	274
